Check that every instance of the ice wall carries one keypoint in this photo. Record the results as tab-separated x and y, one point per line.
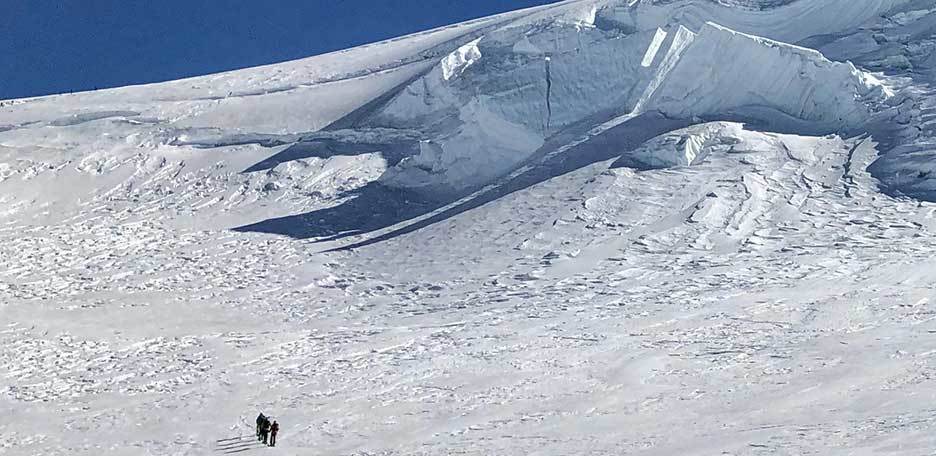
492	104
731	73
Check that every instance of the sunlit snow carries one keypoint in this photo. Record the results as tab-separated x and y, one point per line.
682	227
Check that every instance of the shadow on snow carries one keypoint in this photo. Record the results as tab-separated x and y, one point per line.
376	207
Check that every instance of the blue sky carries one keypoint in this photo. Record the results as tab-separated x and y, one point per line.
54	46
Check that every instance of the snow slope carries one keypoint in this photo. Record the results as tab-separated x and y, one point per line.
564	230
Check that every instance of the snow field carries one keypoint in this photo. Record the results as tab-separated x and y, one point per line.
565	241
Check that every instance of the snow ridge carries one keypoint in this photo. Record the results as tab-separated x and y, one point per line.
715	73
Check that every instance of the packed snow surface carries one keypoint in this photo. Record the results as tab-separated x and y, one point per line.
647	227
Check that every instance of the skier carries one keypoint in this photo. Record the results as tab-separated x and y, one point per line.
274	428
260	420
265	430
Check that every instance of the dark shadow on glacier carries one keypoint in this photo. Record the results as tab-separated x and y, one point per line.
370	208
375	206
904	165
545	166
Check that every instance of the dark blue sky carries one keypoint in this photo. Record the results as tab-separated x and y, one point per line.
53	46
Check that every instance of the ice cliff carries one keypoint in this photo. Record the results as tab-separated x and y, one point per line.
492	104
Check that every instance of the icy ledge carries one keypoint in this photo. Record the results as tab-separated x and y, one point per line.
722	72
496	112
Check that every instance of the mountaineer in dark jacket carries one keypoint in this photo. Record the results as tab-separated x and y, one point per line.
274	428
260	420
265	430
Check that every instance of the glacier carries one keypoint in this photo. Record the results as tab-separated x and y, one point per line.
569	229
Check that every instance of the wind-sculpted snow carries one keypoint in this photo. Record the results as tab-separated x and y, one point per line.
572	229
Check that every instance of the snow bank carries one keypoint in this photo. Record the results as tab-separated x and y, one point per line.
684	147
